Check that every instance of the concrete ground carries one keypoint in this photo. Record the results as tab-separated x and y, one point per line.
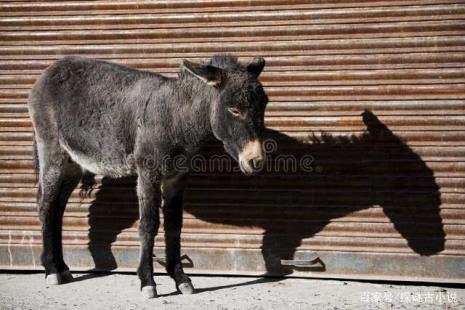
121	291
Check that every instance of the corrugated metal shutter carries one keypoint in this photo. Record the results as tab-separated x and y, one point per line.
383	196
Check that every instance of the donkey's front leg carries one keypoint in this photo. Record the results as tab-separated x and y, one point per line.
172	215
148	191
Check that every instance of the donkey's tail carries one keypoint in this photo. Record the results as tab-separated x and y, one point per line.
35	158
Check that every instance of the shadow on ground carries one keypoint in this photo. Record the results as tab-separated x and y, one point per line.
348	173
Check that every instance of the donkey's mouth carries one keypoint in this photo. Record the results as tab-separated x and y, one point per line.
246	168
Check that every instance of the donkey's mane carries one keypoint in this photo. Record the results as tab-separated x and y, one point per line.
225	61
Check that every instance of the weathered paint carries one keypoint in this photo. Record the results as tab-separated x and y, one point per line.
389	208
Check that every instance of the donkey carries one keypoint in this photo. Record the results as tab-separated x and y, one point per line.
117	121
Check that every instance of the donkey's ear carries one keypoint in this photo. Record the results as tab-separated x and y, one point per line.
209	74
256	66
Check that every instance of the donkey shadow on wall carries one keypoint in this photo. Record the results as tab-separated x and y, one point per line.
349	174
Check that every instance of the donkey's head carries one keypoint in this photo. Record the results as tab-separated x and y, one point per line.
237	111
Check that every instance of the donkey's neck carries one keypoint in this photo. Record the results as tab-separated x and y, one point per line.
196	98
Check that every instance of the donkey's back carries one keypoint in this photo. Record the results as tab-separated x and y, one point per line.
88	109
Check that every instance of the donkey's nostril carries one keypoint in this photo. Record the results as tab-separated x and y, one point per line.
257	163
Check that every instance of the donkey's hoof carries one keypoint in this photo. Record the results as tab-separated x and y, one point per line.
149	292
66	276
53	279
186	288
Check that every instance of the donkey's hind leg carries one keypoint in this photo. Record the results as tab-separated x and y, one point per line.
52	160
71	177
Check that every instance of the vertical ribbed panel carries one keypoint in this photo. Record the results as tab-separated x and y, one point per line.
371	93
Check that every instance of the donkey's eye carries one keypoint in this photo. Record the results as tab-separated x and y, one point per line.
234	111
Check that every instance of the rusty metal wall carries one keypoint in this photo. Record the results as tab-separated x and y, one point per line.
373	92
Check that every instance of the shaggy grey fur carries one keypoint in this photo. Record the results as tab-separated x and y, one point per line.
118	121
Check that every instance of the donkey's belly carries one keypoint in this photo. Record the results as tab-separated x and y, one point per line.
117	165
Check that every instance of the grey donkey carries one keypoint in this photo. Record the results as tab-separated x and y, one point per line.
118	121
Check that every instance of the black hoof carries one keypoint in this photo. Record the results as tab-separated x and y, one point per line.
66	276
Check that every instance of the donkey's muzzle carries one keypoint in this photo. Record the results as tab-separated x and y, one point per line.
252	158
